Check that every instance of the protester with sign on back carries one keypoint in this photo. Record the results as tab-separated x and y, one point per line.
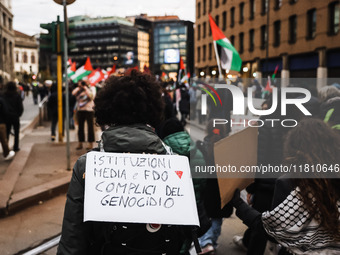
128	107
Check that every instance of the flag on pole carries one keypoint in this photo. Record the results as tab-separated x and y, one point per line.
82	71
96	76
275	72
71	68
230	59
112	71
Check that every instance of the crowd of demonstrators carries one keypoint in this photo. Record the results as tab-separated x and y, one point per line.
128	107
15	109
304	218
84	112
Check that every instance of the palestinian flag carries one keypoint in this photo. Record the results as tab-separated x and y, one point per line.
82	71
71	68
112	71
230	59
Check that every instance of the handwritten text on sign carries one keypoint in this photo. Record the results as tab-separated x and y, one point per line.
139	188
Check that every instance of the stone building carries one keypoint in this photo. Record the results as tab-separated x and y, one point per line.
6	41
26	56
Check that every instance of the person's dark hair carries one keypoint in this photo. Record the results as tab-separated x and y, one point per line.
132	99
171	126
314	142
10	87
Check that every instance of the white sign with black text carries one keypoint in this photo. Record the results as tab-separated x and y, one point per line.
139	188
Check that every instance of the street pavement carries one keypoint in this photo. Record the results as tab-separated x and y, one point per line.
34	185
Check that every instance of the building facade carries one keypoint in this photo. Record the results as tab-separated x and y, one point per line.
106	40
301	37
170	41
6	41
26	56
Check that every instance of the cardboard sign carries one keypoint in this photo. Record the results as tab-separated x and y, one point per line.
236	150
139	188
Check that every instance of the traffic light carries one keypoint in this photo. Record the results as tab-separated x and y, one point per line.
49	41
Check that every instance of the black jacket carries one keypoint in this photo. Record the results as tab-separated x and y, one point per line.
3	111
14	104
83	238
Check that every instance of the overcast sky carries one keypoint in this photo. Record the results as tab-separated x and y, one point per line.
28	14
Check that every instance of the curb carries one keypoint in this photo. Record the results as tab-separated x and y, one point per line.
26	198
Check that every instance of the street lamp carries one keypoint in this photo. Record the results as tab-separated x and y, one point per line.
61	2
64	3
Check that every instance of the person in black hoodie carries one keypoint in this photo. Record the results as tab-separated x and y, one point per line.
15	109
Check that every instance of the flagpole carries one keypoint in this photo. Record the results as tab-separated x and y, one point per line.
220	76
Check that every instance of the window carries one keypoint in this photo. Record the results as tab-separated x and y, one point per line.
198	10
24	57
264	7
224	1
5	46
251	9
210	5
251	40
292	29
311	24
292	1
232	39
264	37
277	4
204	52
198	54
4	18
277	33
241	12
17	57
217	3
217	20
224	20
232	17
198	32
210	51
204	7
204	29
334	15
10	24
241	35
32	58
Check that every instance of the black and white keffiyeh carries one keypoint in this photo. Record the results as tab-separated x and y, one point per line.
291	225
